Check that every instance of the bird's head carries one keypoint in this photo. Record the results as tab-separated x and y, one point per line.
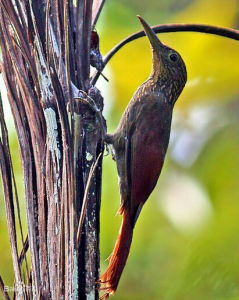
169	70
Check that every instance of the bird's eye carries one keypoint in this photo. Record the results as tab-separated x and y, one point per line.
173	57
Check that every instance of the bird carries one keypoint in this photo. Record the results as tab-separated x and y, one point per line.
140	144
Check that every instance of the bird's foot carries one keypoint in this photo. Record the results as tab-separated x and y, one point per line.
87	99
108	290
97	107
106	287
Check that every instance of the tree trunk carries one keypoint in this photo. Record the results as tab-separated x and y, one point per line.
46	48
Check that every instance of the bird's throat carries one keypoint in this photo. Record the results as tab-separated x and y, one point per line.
157	68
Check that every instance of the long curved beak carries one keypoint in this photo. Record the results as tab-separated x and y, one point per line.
154	41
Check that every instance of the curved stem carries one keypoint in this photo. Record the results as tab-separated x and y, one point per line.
221	31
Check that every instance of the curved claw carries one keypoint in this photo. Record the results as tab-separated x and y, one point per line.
106	287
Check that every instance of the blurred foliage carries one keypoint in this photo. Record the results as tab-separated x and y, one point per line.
168	262
165	262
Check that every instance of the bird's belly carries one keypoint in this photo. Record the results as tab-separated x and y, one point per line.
149	154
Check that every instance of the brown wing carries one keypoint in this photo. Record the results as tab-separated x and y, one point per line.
141	144
122	146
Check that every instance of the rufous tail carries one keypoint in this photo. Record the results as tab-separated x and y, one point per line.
110	279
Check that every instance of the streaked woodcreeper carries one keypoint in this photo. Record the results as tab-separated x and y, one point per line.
140	144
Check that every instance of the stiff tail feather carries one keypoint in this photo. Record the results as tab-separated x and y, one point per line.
110	279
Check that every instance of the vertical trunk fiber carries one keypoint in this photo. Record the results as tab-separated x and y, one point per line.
46	67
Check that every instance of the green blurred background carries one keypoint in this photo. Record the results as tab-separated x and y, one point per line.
186	241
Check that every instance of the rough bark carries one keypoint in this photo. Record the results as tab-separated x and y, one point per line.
46	66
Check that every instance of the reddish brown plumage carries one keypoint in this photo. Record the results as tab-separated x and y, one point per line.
118	257
140	144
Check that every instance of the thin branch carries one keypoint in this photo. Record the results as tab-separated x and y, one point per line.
14	185
80	42
83	29
96	10
24	252
87	39
3	290
6	172
66	38
203	28
85	199
47	31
